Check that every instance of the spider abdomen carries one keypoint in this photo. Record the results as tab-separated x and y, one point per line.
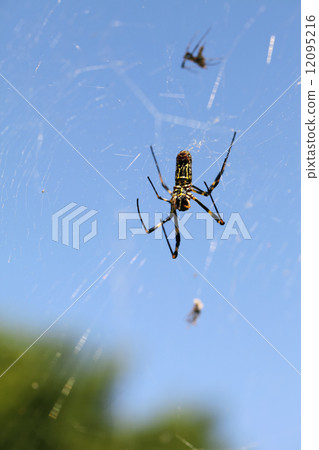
181	197
183	174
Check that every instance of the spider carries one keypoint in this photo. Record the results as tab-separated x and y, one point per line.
199	59
195	312
182	194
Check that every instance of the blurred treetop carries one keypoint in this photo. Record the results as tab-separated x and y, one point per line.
56	398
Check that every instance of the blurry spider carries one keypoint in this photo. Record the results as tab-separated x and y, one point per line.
182	194
199	59
195	312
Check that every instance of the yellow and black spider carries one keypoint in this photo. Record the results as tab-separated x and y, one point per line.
182	194
199	59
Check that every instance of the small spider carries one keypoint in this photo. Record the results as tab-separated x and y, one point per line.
199	59
182	194
195	312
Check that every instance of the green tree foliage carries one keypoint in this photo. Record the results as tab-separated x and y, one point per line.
56	398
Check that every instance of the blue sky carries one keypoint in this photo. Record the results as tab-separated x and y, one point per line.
103	81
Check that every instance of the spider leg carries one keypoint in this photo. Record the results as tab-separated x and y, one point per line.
169	245
210	194
197	190
150	230
218	58
190	42
213	215
212	63
159	172
201	39
158	196
217	179
186	51
177	236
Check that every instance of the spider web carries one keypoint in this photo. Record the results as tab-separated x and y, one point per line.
86	90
